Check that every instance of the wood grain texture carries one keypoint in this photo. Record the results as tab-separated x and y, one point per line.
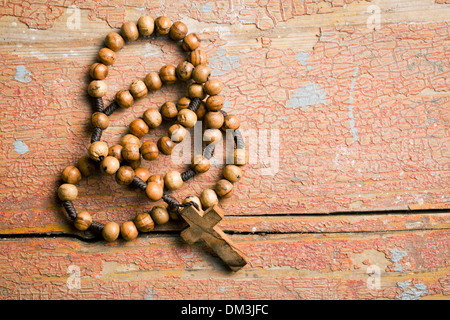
324	266
356	113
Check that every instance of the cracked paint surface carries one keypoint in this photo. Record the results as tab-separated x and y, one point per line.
400	159
264	14
297	267
363	120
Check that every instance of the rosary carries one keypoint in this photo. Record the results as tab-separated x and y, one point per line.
203	102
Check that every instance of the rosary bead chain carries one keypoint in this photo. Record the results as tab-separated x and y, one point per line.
123	161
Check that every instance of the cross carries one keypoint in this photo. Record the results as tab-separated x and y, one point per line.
202	226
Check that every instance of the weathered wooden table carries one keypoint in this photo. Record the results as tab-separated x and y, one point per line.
346	109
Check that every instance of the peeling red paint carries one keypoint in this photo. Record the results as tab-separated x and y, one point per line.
296	267
39	14
363	123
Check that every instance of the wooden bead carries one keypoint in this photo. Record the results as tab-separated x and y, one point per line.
130	152
154	191
159	215
187	118
168	74
100	120
144	222
224	188
169	110
111	231
128	230
67	192
97	88
193	199
201	111
82	221
139	128
149	150
152	118
106	56
129	31
214	119
195	90
166	145
172	180
183	103
142	173
153	81
177	133
231	122
158	179
173	213
163	25
71	175
125	175
146	25
98	71
201	73
200	164
215	103
98	149
129	138
86	165
116	152
240	157
208	198
124	99
110	165
232	173
178	31
114	41
134	164
212	136
184	70
138	89
190	42
213	87
198	57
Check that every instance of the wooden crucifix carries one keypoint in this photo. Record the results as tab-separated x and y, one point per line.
202	225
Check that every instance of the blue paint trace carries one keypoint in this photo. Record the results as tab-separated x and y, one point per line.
20	147
22	74
151	293
302	57
206	8
397	255
414	293
351	117
223	63
307	95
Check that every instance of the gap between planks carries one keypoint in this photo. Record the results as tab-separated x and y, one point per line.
301	224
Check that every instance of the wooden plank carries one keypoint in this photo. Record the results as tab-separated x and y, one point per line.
399	159
362	222
411	265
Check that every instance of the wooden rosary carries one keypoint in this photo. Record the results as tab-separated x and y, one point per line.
203	102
